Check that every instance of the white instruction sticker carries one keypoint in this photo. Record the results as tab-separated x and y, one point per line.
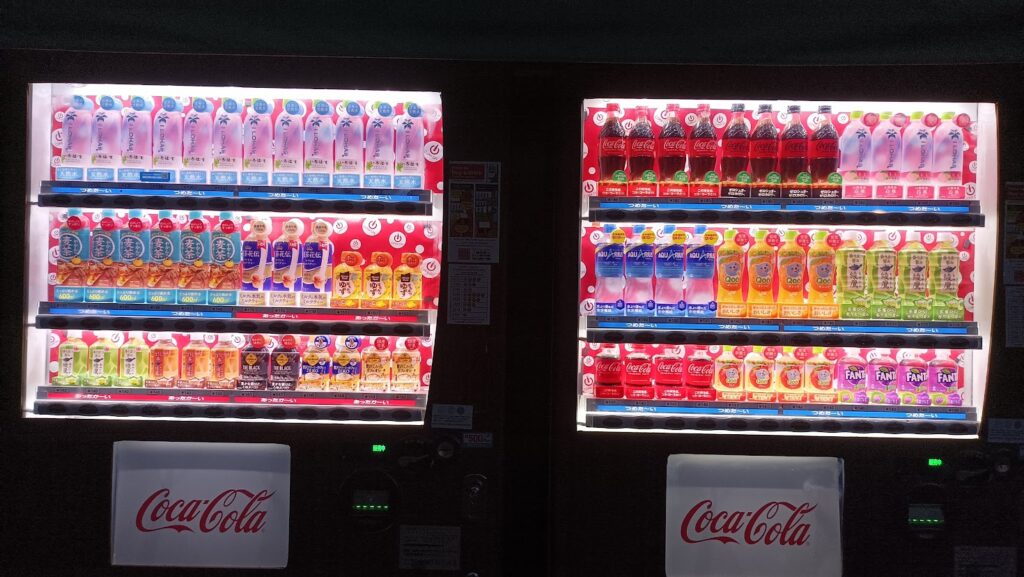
429	547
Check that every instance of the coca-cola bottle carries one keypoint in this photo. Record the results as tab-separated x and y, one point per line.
764	145
640	149
824	147
636	374
672	155
699	369
793	147
735	145
667	369
608	373
703	144
612	153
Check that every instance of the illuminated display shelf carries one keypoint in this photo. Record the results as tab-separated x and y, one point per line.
870	212
786	332
234	319
776	417
155	196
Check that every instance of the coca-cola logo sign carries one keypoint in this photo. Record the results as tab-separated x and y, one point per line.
231	510
777	523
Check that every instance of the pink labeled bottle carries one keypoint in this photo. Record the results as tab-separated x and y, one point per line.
105	151
851	378
76	131
227	142
882	372
912	380
257	142
197	142
136	139
319	145
944	380
167	145
288	136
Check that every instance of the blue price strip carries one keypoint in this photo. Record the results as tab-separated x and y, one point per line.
686	326
141	313
330	196
880	330
874	208
917	415
685	410
141	192
689	206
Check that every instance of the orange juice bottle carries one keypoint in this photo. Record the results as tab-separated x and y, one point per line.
408	281
761	277
729	376
819	378
792	261
377	282
348	280
730	278
821	268
760	385
789	377
163	362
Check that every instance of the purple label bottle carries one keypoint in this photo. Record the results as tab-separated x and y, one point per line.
912	381
882	380
944	380
851	378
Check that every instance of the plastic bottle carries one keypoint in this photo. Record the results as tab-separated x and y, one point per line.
348	145
881	263
612	153
409	136
608	373
257	263
882	379
224	364
728	377
855	150
851	281
167	139
408	282
380	146
102	362
671	153
226	261
195	363
132	249
764	145
913	279
105	149
819	378
257	142
72	361
136	139
346	366
104	241
703	146
912	379
284	364
348	280
821	272
376	367
197	142
730	277
792	259
405	367
789	377
319	145
735	146
667	374
133	361
163	363
851	378
760	371
948	140
636	374
668	272
164	260
377	279
610	281
699	375
944	380
288	136
643	180
793	147
761	277
194	272
254	369
917	151
700	273
286	281
639	267
76	132
317	265
944	279
72	257
227	143
886	152
823	149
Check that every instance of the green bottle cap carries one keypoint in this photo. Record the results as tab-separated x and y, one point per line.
916	115
856	114
792	234
820	235
760	234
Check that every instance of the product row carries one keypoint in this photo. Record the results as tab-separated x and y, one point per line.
775	374
251	141
700	153
198	259
250	362
790	273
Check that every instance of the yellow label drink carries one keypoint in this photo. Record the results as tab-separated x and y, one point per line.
789	378
405	367
729	377
821	270
195	363
315	371
163	362
346	366
348	280
408	283
761	277
376	366
377	282
792	260
730	278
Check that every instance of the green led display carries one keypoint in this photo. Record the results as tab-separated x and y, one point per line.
379	448
934	462
371	507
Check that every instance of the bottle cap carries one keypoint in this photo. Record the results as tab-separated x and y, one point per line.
638	228
612	107
881	235
825	109
194	214
948	237
738	107
885	115
74	212
135	213
700	229
170	104
74	334
948	115
230	105
730	234
200	105
609	228
672	107
942	353
760	234
164	214
856	114
793	108
913	236
916	115
791	234
226	216
669	229
108	212
850	235
763	108
820	235
81	103
109	103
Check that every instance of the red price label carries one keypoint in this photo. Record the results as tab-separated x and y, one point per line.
135	225
773	239
166	225
899	119
227	226
834	353
197	225
870	119
770	353
107	223
834	240
74	222
742	238
931	120
963	120
803	239
258	341
740	352
803	353
288	341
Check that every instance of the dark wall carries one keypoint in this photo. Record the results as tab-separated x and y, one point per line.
684	31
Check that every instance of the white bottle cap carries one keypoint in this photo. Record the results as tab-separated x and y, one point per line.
913	236
850	235
942	353
948	237
75	334
881	235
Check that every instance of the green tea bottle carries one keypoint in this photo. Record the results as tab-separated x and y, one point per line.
851	282
133	364
72	361
102	370
882	278
913	280
944	279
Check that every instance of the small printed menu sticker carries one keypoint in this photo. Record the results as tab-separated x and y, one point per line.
451	417
469	294
1006	431
429	548
474	202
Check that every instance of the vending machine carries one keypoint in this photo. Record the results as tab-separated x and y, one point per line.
232	257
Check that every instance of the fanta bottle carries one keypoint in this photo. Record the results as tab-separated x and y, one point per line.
882	379
912	380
